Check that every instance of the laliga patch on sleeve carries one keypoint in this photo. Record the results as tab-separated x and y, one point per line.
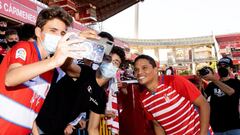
21	53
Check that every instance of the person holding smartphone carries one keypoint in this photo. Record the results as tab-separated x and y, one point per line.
224	101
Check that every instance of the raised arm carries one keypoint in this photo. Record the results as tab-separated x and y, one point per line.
225	88
18	73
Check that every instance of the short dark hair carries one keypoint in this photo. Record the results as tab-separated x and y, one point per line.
107	35
146	57
51	13
10	32
26	32
120	52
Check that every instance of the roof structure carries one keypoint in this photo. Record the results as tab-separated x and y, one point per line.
108	8
104	8
168	43
228	37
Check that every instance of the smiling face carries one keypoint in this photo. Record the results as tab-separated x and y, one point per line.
116	60
145	73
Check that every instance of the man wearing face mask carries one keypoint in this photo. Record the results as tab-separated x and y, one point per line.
27	70
11	38
224	101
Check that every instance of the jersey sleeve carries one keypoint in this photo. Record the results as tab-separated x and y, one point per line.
97	97
186	88
19	53
98	101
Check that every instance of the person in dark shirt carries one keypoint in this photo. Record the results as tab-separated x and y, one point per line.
224	99
68	98
78	91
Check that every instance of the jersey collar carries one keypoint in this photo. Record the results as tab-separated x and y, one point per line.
38	52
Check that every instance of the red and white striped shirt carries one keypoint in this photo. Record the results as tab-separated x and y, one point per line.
20	105
171	106
112	105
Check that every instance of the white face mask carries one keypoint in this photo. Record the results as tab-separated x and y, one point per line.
50	42
108	70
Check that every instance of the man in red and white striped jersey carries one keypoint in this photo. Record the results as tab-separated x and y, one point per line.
175	105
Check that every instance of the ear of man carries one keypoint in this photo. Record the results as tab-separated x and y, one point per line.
38	31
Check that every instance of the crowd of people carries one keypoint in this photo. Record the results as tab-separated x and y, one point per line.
9	36
44	89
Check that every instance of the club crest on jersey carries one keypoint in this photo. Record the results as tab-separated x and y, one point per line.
89	88
21	53
166	97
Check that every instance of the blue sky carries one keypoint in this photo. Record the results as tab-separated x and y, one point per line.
159	19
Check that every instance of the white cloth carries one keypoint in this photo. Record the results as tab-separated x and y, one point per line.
80	116
112	105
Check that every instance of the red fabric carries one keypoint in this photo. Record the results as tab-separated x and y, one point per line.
22	94
3	51
132	118
186	88
112	105
171	105
13	129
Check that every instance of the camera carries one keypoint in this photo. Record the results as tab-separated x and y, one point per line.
204	71
95	49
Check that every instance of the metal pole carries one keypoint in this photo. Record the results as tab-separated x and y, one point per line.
136	20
